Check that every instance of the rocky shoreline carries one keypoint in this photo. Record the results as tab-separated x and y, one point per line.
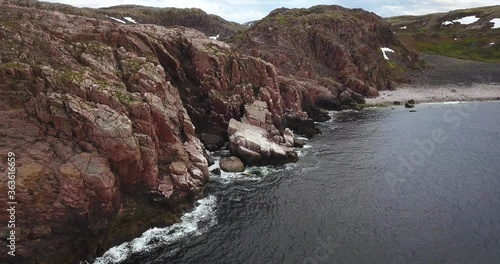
112	122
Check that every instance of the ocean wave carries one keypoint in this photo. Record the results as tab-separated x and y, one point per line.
194	223
253	173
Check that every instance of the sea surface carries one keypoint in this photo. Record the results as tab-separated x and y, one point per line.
379	185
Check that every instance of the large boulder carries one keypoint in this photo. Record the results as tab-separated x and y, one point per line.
255	147
232	164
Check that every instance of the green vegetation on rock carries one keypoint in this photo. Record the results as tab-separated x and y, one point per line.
430	34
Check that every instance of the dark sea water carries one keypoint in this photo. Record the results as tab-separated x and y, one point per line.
378	186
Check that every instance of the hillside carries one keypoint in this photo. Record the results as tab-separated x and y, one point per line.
340	47
211	25
472	34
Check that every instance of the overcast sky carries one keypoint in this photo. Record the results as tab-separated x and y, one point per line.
248	10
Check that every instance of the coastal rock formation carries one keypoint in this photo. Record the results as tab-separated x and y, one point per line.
340	47
104	119
257	141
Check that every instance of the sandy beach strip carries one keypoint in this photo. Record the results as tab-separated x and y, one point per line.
442	93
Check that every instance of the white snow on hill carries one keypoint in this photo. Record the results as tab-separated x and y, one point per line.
467	20
118	20
496	22
214	37
403	27
464	20
129	19
384	50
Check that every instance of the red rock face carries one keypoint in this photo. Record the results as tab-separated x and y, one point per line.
99	113
103	118
330	42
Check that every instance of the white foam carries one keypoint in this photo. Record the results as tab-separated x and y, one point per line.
251	174
118	20
496	22
230	177
195	222
384	50
129	19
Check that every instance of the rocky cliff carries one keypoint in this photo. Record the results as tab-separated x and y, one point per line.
103	119
109	121
338	47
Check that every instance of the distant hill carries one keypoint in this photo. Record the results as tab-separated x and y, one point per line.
472	34
211	25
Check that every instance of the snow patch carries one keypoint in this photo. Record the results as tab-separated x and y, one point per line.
467	20
464	21
118	20
405	27
384	50
129	19
492	43
215	37
496	22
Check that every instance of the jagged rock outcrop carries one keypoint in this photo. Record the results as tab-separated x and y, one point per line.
256	141
103	119
336	45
